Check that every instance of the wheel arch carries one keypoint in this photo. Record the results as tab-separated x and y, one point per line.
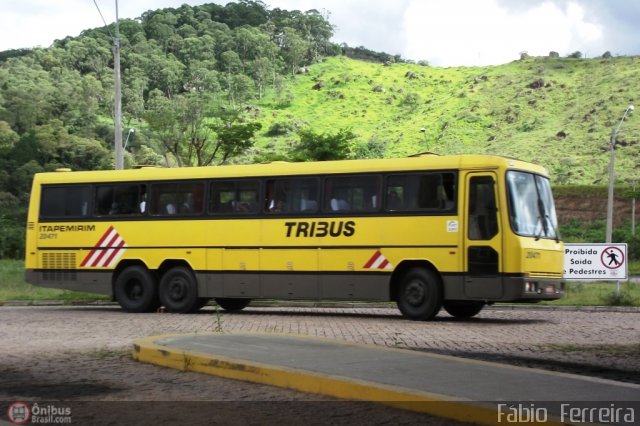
173	263
404	266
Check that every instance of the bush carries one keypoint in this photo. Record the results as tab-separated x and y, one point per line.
323	147
625	298
282	128
374	148
11	239
411	100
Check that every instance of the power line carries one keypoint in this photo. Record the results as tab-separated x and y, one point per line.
103	20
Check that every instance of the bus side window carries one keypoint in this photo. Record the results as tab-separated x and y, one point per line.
246	198
64	201
396	192
177	198
118	200
432	193
483	221
291	195
355	194
231	197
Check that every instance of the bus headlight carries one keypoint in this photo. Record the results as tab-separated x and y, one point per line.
530	287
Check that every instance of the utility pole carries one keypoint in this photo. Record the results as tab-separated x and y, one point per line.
612	161
117	117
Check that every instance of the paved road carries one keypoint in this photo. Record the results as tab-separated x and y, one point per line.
82	353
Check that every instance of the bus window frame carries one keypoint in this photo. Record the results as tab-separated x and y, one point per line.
89	206
152	199
452	211
210	212
138	212
271	198
262	211
327	210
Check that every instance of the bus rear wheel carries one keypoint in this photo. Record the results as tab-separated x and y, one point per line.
420	294
179	290
136	291
463	309
232	304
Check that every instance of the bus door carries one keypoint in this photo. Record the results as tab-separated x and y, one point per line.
483	239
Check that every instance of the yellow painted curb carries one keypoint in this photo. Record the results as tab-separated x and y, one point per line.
146	350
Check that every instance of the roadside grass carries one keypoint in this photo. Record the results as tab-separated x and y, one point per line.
14	287
598	294
616	350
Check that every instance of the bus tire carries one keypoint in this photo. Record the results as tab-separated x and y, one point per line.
462	308
136	290
179	290
232	304
420	294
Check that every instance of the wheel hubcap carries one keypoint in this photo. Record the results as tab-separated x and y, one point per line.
134	290
414	293
177	289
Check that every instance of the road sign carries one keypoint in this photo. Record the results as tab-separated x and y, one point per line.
601	262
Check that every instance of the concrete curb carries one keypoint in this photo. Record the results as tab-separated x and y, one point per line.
148	351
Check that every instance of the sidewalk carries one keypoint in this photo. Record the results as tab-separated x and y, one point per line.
444	386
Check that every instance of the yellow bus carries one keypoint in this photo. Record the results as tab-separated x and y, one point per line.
426	231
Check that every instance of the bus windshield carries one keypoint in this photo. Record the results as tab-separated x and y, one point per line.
531	209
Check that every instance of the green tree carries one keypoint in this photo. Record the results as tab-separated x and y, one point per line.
262	69
232	137
195	134
162	116
295	48
241	89
27	91
161	26
320	32
58	148
194	49
325	146
147	156
8	138
135	83
202	77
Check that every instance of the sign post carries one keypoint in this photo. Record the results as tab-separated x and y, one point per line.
600	262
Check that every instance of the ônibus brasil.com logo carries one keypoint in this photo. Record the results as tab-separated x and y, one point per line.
21	413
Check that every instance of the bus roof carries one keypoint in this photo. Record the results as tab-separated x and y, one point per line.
283	168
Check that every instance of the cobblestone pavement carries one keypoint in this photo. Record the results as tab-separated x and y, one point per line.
81	353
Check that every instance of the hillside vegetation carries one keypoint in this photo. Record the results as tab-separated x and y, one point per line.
241	83
558	112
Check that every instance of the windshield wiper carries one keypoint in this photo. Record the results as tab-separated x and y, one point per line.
542	218
546	220
545	227
555	229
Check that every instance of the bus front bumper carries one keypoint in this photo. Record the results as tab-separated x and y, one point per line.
529	289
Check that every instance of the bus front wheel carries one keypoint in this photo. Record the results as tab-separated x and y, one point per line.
135	290
463	309
420	294
232	304
179	290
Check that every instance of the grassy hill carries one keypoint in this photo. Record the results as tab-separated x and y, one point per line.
558	112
